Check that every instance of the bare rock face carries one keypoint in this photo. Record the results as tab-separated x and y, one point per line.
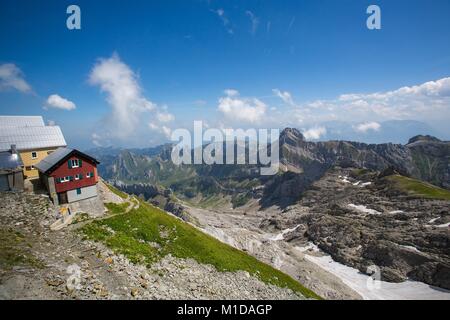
431	157
361	223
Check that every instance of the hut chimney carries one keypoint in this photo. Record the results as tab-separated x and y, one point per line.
13	149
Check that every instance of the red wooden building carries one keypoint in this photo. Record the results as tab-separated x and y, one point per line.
69	175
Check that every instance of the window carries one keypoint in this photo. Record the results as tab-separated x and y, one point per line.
78	190
64	179
77	176
89	175
34	155
75	163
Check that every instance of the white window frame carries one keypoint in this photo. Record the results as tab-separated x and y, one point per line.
36	155
65	179
77	176
75	163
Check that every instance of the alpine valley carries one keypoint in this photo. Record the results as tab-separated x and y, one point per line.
336	212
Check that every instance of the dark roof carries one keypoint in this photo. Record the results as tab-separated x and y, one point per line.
9	161
58	156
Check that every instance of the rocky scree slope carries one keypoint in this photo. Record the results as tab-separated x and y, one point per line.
36	262
362	219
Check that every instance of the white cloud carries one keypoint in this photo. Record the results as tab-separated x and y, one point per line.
124	94
366	126
131	112
96	139
428	102
153	126
236	108
231	92
166	131
58	102
285	96
226	23
254	20
165	117
314	133
439	88
11	77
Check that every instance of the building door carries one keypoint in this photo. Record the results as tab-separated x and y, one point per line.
4	185
62	198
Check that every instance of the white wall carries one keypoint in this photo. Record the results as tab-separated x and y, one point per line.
86	192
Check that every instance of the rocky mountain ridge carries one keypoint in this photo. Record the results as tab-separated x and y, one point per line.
301	163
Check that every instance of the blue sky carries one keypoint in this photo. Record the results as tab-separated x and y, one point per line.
281	62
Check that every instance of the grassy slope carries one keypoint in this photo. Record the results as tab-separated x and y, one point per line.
121	194
147	234
418	188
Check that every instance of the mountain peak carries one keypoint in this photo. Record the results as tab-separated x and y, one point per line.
424	138
291	136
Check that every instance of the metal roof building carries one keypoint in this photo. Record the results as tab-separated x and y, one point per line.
58	155
10	161
31	137
11	175
53	158
21	121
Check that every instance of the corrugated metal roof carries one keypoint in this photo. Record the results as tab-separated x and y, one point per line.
10	161
29	138
21	121
52	159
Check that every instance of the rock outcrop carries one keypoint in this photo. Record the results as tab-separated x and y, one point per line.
360	221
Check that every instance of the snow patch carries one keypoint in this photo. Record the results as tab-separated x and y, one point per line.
434	219
344	179
281	235
371	289
411	248
364	209
445	225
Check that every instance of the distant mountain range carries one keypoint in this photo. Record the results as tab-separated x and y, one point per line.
424	157
395	131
